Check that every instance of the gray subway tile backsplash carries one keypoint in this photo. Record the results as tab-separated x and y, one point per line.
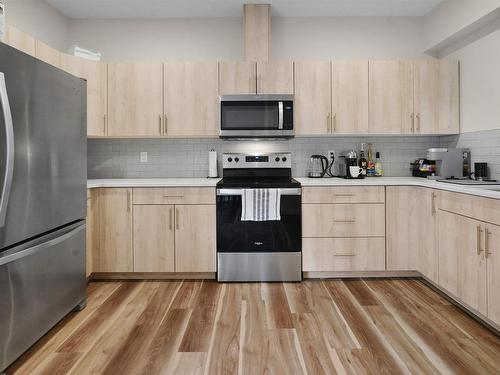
119	158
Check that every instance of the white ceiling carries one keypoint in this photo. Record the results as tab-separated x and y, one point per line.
233	8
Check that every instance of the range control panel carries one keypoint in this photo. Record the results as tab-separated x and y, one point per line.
271	160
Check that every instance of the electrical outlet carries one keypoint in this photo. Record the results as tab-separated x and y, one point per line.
331	155
144	157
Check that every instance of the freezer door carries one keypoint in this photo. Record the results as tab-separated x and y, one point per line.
48	175
39	285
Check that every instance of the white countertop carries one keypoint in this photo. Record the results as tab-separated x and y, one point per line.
480	190
152	182
305	181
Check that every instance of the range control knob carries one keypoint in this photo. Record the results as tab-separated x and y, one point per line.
230	159
283	159
236	159
277	159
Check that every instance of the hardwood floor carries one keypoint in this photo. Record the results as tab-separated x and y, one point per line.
314	327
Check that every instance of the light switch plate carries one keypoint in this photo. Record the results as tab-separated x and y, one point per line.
144	157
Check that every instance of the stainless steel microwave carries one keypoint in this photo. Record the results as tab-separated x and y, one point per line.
256	116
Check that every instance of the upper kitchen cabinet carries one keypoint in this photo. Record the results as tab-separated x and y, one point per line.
275	77
95	73
19	40
391	97
312	98
248	77
135	100
191	101
350	97
48	54
237	77
436	96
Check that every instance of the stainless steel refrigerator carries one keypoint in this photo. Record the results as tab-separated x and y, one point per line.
43	171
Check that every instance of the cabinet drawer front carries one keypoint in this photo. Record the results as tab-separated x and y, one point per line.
343	254
343	194
479	208
343	220
176	195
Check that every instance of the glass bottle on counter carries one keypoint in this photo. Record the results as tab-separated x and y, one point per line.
370	170
363	164
379	172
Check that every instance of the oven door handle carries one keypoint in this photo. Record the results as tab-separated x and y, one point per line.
285	191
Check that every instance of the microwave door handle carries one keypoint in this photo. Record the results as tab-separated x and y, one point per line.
280	115
9	150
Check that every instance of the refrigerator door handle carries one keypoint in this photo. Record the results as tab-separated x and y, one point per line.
9	148
45	245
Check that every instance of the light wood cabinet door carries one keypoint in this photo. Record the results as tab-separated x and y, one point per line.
411	230
191	100
391	97
350	97
462	265
153	238
92	234
492	245
48	54
312	98
436	96
343	254
95	73
114	252
135	99
275	77
19	40
343	220
237	77
195	238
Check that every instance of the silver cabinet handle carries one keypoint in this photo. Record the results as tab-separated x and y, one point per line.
433	204
487	251
128	200
104	124
328	122
344	195
160	127
9	150
345	221
170	218
334	122
412	129
176	218
165	125
280	115
173	196
479	232
345	255
418	122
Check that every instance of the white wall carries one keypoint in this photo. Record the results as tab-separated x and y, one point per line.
222	38
451	16
347	37
480	84
40	20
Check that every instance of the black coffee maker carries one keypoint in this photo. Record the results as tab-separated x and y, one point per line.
351	160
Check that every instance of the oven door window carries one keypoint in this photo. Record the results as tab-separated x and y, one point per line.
234	235
249	115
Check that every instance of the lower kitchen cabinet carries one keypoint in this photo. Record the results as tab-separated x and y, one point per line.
153	238
412	229
492	254
462	264
113	252
343	254
195	239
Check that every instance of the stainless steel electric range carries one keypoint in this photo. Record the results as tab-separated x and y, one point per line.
260	248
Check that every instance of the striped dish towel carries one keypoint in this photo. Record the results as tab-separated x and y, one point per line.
260	205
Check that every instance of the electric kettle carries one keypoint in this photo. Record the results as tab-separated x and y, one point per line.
318	165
